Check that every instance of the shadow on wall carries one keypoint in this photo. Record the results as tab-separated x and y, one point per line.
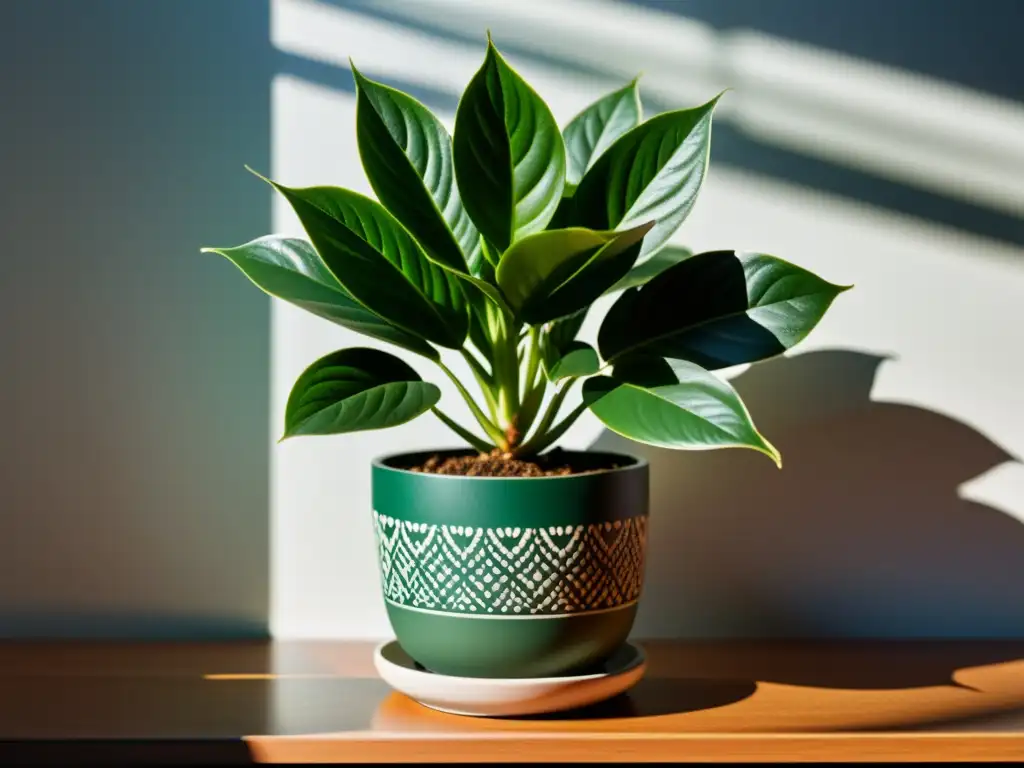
862	534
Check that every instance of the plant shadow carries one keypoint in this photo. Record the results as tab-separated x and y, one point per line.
655	696
861	535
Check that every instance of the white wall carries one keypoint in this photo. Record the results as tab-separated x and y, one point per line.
899	510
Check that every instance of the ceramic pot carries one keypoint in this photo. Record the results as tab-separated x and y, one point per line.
511	577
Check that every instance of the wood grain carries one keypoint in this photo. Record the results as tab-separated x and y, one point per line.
730	702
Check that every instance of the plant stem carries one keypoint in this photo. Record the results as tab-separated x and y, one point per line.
476	365
531	406
539	442
489	427
533	359
483	378
506	371
480	444
538	375
546	420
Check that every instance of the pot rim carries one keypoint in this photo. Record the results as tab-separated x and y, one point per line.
380	462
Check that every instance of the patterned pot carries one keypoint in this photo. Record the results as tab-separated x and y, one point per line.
511	577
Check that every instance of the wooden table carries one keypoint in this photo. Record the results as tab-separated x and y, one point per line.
321	701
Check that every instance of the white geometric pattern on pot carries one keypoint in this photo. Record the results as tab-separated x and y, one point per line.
549	571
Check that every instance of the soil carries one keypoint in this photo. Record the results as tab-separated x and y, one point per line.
498	464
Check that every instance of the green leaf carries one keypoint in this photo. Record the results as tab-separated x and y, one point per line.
577	359
509	154
645	371
407	155
290	269
594	129
564	330
379	264
683	407
565	212
652	173
481	307
559	336
489	260
718	309
356	389
555	273
645	271
479	331
479	289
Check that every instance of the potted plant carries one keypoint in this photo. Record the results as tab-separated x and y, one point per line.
513	558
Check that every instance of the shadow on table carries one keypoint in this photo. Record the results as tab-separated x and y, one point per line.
652	697
709	675
848	665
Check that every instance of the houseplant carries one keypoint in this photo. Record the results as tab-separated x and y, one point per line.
513	558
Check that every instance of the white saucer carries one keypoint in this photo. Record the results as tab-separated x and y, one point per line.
504	697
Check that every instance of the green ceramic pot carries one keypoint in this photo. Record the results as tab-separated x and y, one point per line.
511	577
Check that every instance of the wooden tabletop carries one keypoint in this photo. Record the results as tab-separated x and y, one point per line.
322	701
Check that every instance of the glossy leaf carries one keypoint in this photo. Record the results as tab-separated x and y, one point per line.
478	332
290	269
565	213
565	329
577	359
718	309
645	371
683	407
559	336
489	260
478	321
555	273
509	154
380	265
478	290
407	155
652	173
356	389
594	129
481	306
645	271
